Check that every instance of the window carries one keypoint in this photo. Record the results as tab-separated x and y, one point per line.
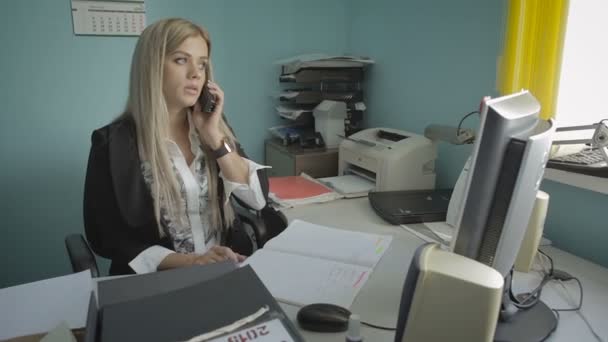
583	87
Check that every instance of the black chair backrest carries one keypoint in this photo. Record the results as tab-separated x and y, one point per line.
266	224
81	255
274	220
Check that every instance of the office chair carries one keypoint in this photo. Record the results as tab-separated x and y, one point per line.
80	254
265	224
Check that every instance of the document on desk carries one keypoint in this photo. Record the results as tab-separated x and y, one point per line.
439	232
309	263
40	306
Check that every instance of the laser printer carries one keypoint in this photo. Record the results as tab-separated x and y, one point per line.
392	159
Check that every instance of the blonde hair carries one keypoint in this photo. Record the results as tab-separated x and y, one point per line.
147	106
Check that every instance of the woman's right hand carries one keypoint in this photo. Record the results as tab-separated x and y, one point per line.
217	254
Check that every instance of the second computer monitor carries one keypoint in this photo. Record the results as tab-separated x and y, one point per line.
508	162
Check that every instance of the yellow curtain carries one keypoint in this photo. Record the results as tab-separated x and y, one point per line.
532	51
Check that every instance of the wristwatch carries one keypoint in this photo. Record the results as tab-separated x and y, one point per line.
223	150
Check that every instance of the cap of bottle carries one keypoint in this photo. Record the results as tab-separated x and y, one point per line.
354	329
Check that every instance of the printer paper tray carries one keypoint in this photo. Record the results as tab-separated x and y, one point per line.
349	186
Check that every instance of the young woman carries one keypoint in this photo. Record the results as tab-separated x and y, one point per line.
160	177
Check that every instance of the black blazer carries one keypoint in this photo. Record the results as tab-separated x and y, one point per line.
118	206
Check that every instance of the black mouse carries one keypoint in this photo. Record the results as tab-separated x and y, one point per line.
323	317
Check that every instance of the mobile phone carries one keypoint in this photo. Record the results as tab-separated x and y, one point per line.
206	100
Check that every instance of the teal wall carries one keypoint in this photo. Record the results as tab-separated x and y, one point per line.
434	61
577	221
55	88
433	66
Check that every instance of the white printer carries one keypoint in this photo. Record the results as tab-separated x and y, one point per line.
390	158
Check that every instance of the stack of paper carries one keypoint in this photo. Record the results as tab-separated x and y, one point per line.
293	112
293	64
292	191
349	185
309	263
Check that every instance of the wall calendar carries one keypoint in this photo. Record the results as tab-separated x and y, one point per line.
108	18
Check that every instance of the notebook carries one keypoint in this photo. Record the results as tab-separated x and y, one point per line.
290	191
292	187
309	263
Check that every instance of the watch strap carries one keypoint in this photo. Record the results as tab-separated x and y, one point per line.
223	150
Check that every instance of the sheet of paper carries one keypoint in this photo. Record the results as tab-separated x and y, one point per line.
418	232
314	240
444	230
438	232
109	18
293	64
40	306
289	94
60	333
302	280
284	204
291	112
348	185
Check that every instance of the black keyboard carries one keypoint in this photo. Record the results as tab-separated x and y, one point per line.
589	162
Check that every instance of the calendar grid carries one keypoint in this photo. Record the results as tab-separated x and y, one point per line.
108	18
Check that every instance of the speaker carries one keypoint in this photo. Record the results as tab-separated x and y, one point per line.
448	297
534	232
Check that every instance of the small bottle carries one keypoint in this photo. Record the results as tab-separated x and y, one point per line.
354	329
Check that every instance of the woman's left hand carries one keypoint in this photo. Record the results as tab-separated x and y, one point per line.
208	124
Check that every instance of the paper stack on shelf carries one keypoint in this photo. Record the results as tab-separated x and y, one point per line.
293	112
288	133
318	60
313	78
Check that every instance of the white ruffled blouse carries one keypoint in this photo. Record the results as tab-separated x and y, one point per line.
192	234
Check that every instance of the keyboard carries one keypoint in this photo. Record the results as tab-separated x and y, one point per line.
589	162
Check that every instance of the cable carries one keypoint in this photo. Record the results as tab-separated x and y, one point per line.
463	118
578	308
550	260
580	301
557	315
552	275
533	297
378	326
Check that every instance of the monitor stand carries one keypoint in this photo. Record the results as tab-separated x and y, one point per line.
533	324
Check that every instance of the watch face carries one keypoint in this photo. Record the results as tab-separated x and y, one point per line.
227	146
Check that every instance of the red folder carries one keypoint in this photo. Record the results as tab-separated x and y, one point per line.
296	187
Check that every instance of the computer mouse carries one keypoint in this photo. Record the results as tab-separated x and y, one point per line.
323	317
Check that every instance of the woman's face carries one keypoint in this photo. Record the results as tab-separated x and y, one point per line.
184	74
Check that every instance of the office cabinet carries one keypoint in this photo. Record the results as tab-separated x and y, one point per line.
292	160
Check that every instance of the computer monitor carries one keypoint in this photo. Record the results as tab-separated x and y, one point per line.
507	166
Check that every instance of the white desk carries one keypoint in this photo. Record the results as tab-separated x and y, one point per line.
378	300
